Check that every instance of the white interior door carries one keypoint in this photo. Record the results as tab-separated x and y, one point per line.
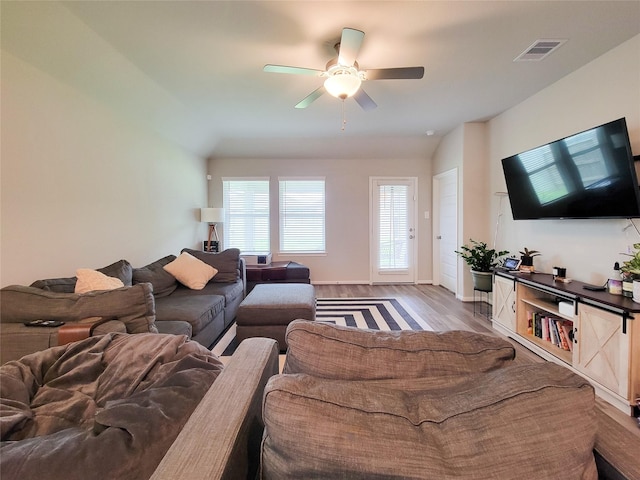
393	230
445	227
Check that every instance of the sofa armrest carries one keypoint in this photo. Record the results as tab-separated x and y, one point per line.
616	448
222	437
133	306
18	340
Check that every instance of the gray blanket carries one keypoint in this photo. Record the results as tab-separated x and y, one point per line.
107	407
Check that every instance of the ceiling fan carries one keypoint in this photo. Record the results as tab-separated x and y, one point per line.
342	75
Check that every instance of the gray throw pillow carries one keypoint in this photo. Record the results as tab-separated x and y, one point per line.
120	269
532	422
163	282
348	353
226	262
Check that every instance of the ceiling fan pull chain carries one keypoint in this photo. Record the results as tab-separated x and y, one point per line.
344	120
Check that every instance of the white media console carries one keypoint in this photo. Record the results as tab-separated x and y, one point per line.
595	334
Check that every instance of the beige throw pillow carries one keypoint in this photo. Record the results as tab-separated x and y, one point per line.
190	271
90	280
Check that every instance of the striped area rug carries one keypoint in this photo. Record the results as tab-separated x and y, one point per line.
366	313
370	313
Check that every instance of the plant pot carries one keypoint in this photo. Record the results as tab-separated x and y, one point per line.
526	261
482	281
636	291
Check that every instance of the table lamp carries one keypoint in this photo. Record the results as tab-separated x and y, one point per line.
212	216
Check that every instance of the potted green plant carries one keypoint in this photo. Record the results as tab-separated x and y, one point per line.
632	265
526	258
482	260
630	271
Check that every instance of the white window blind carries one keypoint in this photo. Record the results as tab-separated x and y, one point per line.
393	227
246	205
302	209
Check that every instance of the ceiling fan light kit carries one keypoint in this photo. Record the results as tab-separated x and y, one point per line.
342	82
343	77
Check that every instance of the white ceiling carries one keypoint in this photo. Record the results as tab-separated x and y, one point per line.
192	70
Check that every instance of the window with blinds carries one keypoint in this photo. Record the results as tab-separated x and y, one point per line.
246	204
302	215
394	223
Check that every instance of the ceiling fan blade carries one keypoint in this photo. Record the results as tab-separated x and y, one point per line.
364	100
312	97
292	70
405	73
349	46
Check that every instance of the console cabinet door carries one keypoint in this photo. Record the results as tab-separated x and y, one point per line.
504	302
602	350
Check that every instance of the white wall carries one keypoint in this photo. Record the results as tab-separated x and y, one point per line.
466	148
606	89
347	209
83	188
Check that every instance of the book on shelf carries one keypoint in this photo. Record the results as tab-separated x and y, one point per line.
555	339
537	324
544	324
556	331
530	327
567	329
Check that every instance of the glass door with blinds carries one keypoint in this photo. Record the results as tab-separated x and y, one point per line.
393	230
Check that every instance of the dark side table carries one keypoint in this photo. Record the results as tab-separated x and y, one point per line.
276	272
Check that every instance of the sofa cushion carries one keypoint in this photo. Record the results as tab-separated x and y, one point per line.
198	310
190	271
530	422
347	353
120	269
226	262
90	280
230	291
134	306
163	282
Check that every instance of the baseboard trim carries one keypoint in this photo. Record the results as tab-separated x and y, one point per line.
365	282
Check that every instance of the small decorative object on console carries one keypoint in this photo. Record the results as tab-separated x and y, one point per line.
559	274
615	281
511	264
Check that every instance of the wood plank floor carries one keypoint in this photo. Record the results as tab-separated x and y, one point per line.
443	311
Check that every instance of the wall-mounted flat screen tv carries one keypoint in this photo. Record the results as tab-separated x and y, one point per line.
587	175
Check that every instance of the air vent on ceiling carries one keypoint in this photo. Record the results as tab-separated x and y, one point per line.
539	50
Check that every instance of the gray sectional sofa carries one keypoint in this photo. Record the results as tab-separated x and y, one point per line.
202	315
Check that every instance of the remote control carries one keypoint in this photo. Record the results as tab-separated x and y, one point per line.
44	323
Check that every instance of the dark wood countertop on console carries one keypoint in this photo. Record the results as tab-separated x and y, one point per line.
574	289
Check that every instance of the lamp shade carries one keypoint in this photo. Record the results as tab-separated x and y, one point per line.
212	215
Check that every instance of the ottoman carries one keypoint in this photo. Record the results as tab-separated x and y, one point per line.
269	308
